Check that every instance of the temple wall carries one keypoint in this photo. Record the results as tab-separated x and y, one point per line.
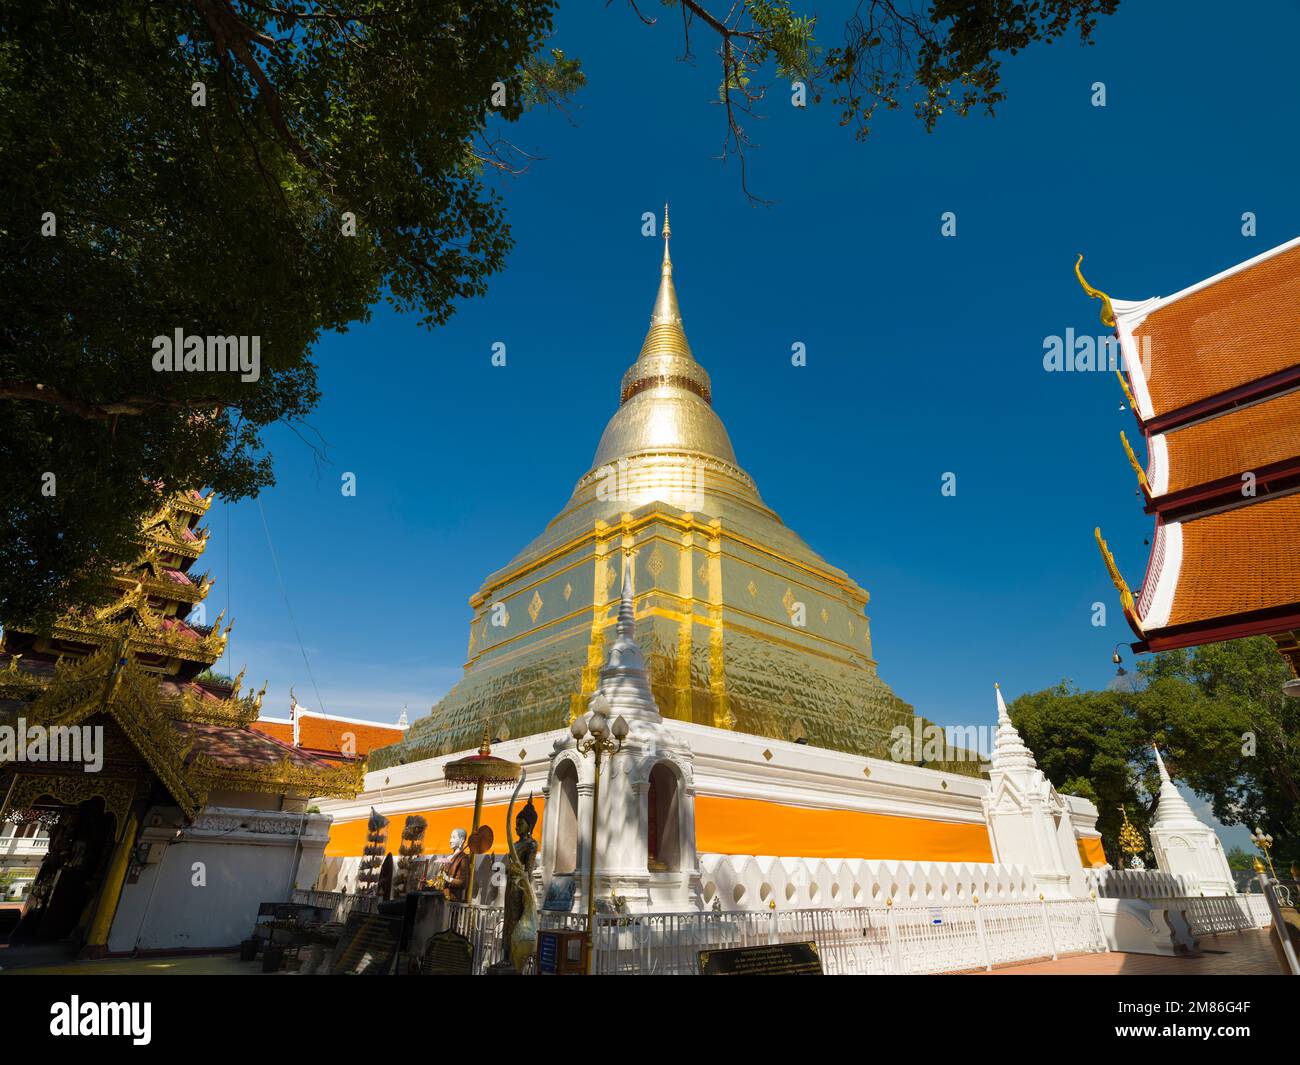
753	796
245	857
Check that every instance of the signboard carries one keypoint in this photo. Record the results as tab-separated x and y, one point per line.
774	959
560	892
561	953
368	945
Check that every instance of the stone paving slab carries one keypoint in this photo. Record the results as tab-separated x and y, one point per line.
1239	954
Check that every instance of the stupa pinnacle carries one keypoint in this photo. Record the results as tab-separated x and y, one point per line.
665	402
741	624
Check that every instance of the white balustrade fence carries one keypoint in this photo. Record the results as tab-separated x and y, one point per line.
874	940
1141	884
755	882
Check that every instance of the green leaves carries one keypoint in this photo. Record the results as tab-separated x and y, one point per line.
224	219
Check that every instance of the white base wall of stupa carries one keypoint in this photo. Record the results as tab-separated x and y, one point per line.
788	824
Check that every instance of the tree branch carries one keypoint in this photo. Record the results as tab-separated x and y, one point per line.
100	412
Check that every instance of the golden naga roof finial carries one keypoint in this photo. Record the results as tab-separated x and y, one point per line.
1117	578
1107	311
1127	393
1137	466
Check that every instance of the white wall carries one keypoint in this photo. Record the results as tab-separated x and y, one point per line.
247	857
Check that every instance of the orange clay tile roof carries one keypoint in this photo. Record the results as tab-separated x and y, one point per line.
323	734
1229	334
1240	560
1247	439
280	730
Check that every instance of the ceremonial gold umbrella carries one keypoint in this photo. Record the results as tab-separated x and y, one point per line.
480	771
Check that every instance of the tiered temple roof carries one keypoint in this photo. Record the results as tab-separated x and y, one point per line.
141	666
1212	374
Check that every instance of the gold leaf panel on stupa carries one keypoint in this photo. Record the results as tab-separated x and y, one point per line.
723	589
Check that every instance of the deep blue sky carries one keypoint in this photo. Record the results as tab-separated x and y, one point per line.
924	353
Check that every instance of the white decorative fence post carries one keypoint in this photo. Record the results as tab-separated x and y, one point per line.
979	930
895	947
1047	924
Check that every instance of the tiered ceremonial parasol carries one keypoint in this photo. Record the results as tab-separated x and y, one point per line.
480	771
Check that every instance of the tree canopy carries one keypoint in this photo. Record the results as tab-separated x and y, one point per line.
1224	727
230	169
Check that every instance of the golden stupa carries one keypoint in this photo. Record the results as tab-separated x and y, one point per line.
744	626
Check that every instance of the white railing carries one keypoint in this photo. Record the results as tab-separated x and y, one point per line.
341	903
1141	884
1213	915
863	940
751	882
482	926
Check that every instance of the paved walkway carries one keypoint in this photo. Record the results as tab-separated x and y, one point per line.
1243	954
189	965
1239	954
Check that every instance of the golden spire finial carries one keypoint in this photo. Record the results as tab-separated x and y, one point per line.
668	232
666	312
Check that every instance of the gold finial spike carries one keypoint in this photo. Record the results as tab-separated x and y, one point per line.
668	232
666	312
1107	311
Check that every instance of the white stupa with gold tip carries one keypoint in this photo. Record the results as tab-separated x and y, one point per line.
1029	821
1183	843
646	836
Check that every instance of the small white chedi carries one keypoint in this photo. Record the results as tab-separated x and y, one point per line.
1029	821
1184	844
646	830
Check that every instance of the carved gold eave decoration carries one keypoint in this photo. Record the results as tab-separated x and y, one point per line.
165	588
130	695
1117	578
27	789
18	682
234	712
127	693
145	632
1137	466
342	782
187	503
1107	311
167	540
1128	393
1288	646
